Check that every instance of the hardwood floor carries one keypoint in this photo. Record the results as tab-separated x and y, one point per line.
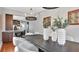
7	47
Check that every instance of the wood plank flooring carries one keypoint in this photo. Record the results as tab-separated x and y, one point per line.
7	47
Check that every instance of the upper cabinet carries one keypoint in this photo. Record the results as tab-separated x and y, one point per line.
8	22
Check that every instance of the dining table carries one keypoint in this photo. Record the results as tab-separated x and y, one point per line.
50	45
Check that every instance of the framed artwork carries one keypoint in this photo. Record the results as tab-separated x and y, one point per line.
16	22
47	22
73	17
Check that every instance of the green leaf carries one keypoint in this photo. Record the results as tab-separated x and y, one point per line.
58	23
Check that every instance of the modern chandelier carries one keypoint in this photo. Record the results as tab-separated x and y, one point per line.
31	16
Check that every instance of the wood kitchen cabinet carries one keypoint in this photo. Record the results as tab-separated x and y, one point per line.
8	22
7	36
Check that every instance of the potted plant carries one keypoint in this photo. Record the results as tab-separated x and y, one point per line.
60	24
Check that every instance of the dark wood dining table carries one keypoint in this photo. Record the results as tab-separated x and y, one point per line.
50	46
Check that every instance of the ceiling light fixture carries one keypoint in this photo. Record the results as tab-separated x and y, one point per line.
49	8
31	16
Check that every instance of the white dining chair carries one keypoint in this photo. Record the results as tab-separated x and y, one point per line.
26	47
17	40
22	45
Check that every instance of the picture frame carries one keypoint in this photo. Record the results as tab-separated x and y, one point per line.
73	17
47	22
16	22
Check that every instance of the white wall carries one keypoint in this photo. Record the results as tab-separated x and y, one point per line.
1	26
10	11
72	30
1	30
38	26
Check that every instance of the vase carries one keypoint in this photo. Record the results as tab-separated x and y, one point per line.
54	36
45	34
61	33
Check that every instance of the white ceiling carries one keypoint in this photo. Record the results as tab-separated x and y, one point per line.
27	10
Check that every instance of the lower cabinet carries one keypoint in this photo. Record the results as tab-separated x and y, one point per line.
7	36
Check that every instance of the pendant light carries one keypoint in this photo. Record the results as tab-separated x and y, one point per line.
31	16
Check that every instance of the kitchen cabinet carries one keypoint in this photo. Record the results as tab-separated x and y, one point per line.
7	36
8	22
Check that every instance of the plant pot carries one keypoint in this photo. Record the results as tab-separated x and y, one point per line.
61	36
45	34
54	36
